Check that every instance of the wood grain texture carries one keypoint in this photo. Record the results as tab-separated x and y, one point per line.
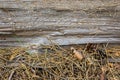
64	22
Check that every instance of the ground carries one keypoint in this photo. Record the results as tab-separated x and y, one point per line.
60	63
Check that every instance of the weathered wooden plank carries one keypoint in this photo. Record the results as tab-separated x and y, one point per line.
59	4
30	22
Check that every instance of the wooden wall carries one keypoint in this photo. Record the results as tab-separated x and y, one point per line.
36	22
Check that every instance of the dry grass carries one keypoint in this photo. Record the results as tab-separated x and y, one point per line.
57	63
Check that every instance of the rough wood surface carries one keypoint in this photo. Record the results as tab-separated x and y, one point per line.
36	22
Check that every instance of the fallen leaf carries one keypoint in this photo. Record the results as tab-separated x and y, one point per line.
77	54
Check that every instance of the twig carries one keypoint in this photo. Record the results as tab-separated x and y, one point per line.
102	76
10	77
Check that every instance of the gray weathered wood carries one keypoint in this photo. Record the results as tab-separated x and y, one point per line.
36	22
